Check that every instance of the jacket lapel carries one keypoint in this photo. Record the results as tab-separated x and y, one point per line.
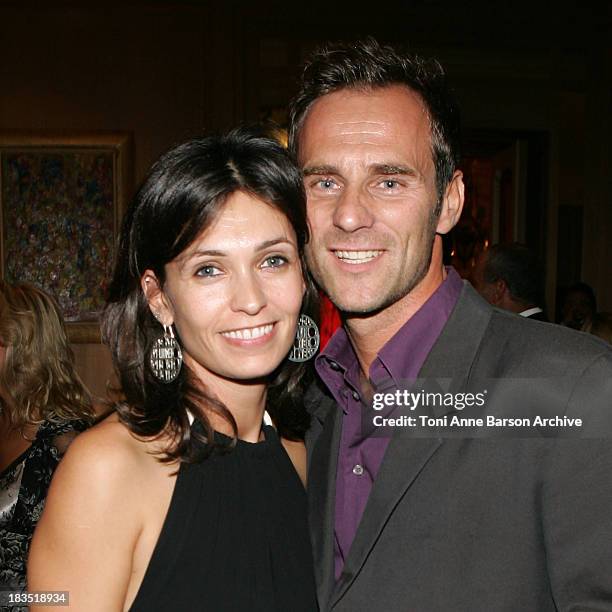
322	443
451	358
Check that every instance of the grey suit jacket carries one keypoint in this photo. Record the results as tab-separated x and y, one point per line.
474	525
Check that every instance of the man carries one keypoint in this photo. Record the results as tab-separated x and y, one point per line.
509	276
409	522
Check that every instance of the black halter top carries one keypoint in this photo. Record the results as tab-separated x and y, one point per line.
235	537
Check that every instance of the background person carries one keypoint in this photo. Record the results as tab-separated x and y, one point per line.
601	326
578	306
510	276
183	500
43	406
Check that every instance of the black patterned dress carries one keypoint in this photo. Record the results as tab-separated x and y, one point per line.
23	490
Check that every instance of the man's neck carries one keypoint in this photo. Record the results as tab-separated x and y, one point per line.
370	333
513	305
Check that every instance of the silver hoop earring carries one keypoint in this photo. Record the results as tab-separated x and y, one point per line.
166	357
306	341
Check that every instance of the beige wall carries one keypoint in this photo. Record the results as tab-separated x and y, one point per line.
94	366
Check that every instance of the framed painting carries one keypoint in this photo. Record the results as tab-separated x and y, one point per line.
61	201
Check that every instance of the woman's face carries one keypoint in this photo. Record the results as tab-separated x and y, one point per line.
235	294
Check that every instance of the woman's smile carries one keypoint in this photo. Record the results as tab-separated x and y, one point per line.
250	336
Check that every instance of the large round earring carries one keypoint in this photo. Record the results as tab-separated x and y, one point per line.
306	341
166	357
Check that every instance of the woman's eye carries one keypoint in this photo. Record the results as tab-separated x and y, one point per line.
208	271
274	261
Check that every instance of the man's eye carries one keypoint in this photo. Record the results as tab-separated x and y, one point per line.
274	261
389	184
208	271
325	184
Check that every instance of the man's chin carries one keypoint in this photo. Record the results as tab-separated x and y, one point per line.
351	304
357	308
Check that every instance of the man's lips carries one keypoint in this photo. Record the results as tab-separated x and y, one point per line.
355	257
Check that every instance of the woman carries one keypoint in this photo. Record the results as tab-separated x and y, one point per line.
43	405
147	511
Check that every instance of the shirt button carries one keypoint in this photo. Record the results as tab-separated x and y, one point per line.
358	470
334	366
355	396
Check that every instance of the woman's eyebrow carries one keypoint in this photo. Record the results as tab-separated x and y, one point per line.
216	253
207	252
268	243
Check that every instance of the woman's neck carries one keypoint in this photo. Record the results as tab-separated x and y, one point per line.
246	400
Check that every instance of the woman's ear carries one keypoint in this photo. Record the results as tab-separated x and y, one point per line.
156	298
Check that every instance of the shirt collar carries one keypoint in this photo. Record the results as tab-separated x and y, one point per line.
530	311
404	354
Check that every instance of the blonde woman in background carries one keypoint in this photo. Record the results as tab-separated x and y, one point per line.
43	406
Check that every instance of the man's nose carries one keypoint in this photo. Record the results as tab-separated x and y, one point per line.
353	210
248	294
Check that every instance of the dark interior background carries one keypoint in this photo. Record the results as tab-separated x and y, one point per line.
534	81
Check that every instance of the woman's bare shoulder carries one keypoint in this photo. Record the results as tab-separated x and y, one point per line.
107	462
93	516
109	444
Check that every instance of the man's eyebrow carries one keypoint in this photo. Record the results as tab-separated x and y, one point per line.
318	170
394	169
374	169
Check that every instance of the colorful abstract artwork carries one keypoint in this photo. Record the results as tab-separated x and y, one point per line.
58	209
61	199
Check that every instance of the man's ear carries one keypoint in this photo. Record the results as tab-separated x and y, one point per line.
156	298
500	289
452	204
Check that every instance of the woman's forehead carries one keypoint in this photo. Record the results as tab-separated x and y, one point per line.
242	222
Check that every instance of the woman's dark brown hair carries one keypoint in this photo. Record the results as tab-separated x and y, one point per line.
182	195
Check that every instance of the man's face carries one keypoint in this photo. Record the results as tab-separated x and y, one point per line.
371	188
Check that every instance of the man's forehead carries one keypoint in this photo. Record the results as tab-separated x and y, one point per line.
364	117
344	128
367	108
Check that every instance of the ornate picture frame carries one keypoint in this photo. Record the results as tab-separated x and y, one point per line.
62	196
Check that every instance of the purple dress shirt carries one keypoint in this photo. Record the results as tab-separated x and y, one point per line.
360	456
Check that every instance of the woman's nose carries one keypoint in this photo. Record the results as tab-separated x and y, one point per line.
248	295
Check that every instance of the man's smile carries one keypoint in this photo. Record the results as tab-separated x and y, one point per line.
357	257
